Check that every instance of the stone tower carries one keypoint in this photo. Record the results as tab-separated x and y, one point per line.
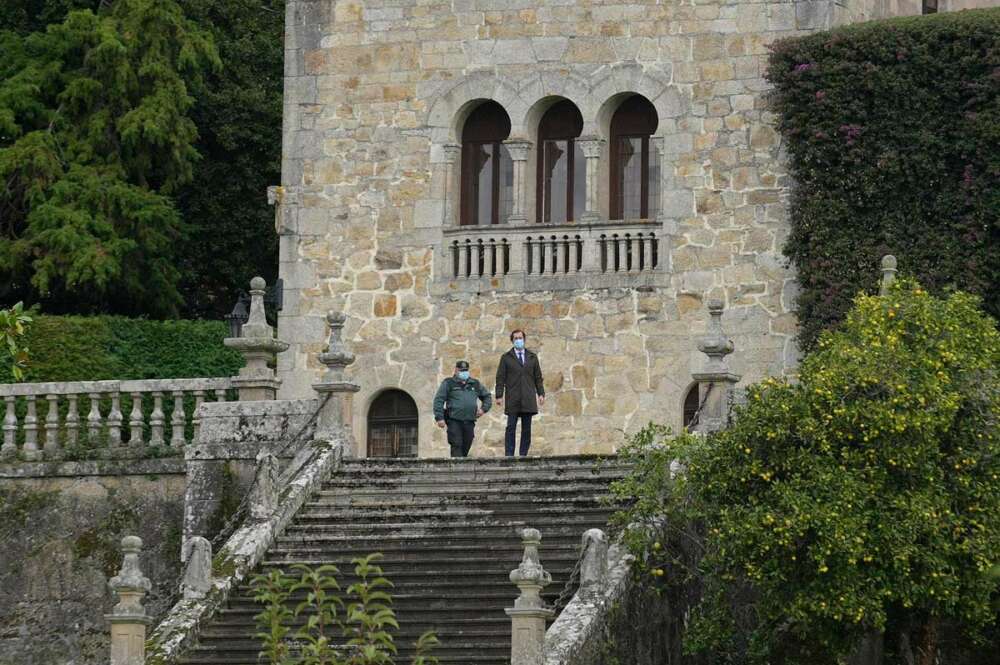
590	172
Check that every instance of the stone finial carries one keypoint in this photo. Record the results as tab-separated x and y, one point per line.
256	381
264	492
336	357
888	273
335	392
197	579
715	344
128	618
716	382
593	562
529	613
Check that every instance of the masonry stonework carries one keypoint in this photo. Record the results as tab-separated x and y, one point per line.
376	94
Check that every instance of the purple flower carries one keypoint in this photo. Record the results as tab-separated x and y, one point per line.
803	67
851	133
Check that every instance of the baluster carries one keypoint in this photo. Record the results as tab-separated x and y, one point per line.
454	259
603	244
199	397
647	254
529	255
620	258
491	258
72	420
156	420
115	420
220	394
52	424
31	431
553	255
177	420
135	420
9	448
480	259
94	418
564	252
634	265
574	254
540	255
468	259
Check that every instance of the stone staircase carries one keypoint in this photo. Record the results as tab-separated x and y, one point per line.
449	532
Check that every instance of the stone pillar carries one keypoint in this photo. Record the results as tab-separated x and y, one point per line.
529	613
452	153
519	150
715	384
593	562
128	618
197	580
591	147
256	381
888	273
335	393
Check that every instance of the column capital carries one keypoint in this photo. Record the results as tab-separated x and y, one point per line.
450	152
590	145
518	149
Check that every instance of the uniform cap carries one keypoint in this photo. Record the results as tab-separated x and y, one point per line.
462	364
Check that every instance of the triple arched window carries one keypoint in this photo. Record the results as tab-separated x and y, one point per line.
487	173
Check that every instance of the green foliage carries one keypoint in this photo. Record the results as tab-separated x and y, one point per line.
77	348
349	629
860	500
14	326
892	130
95	135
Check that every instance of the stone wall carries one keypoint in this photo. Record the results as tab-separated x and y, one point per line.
61	525
375	96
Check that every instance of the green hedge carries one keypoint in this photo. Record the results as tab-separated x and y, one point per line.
893	133
78	348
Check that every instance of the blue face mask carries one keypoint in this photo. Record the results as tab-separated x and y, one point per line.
463	375
519	344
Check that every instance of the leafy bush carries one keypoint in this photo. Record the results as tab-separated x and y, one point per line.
892	130
859	502
14	325
331	631
78	348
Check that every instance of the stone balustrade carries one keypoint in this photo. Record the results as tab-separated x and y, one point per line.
553	256
44	419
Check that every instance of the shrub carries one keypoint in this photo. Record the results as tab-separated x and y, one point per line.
78	348
892	130
859	501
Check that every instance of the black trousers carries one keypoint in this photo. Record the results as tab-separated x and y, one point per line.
460	435
511	430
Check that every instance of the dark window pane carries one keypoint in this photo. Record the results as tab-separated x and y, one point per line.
579	193
483	169
630	185
506	184
654	182
556	179
634	169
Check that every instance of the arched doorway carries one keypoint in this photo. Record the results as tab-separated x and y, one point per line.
392	425
691	406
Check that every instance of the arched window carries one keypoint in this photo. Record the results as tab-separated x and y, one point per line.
562	167
691	405
635	167
487	171
392	425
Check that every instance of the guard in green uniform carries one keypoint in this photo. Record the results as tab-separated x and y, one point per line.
456	407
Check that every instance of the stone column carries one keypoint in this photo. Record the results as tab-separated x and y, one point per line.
197	580
256	381
128	618
335	393
888	273
264	491
529	613
716	383
593	563
519	150
452	153
591	147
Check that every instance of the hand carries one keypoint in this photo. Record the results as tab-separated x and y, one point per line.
541	400
479	413
499	401
440	424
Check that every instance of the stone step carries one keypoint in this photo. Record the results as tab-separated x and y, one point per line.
552	495
559	461
416	548
349	478
250	647
549	525
417	594
403	657
443	514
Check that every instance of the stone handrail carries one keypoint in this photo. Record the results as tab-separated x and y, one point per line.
605	573
246	548
118	417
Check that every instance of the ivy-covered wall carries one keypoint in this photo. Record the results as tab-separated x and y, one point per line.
60	544
892	129
92	348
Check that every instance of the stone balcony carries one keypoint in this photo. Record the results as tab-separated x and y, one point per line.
552	257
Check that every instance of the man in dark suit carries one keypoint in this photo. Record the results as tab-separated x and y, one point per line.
519	391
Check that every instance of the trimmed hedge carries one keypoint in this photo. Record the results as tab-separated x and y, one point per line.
893	133
91	348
